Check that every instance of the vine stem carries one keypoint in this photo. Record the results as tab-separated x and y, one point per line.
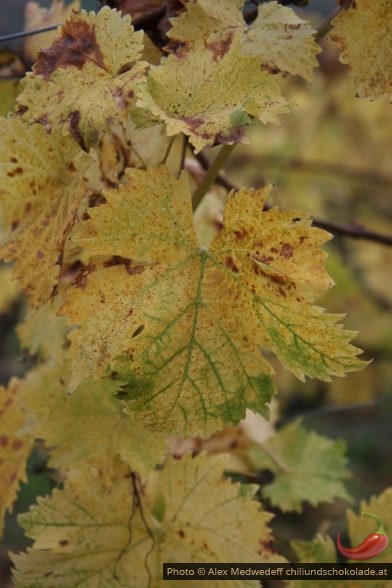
212	174
326	25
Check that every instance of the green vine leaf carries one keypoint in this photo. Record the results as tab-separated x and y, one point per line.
111	531
40	191
94	62
308	468
184	325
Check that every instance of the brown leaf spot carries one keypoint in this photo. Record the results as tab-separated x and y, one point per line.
63	543
3	440
230	263
263	259
17	444
240	233
21	109
277	278
134	269
14	225
39	255
219	48
117	260
74	119
76	46
270	68
181	533
282	292
13	160
71	166
286	250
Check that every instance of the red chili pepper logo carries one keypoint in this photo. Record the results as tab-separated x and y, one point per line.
370	547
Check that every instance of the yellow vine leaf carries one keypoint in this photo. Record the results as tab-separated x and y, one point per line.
363	33
280	40
92	422
9	89
115	532
183	324
360	527
307	467
37	17
41	185
86	79
8	289
323	549
43	333
15	446
186	93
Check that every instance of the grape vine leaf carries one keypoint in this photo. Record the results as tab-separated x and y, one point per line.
308	468
37	17
8	290
15	446
95	61
114	532
43	333
92	422
280	40
186	94
320	550
183	324
363	34
41	185
360	527
9	89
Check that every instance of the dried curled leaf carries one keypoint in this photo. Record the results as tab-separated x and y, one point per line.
184	325
363	33
41	185
307	467
37	17
113	532
187	95
15	446
92	422
86	79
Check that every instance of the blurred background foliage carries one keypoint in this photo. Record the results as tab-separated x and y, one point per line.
331	156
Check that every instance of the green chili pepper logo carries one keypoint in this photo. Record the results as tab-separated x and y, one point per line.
370	547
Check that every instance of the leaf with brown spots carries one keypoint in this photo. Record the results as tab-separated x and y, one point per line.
190	349
186	94
15	446
363	33
108	529
41	185
37	17
278	38
86	79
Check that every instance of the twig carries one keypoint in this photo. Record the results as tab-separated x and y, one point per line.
183	154
21	34
335	169
212	174
326	25
354	231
